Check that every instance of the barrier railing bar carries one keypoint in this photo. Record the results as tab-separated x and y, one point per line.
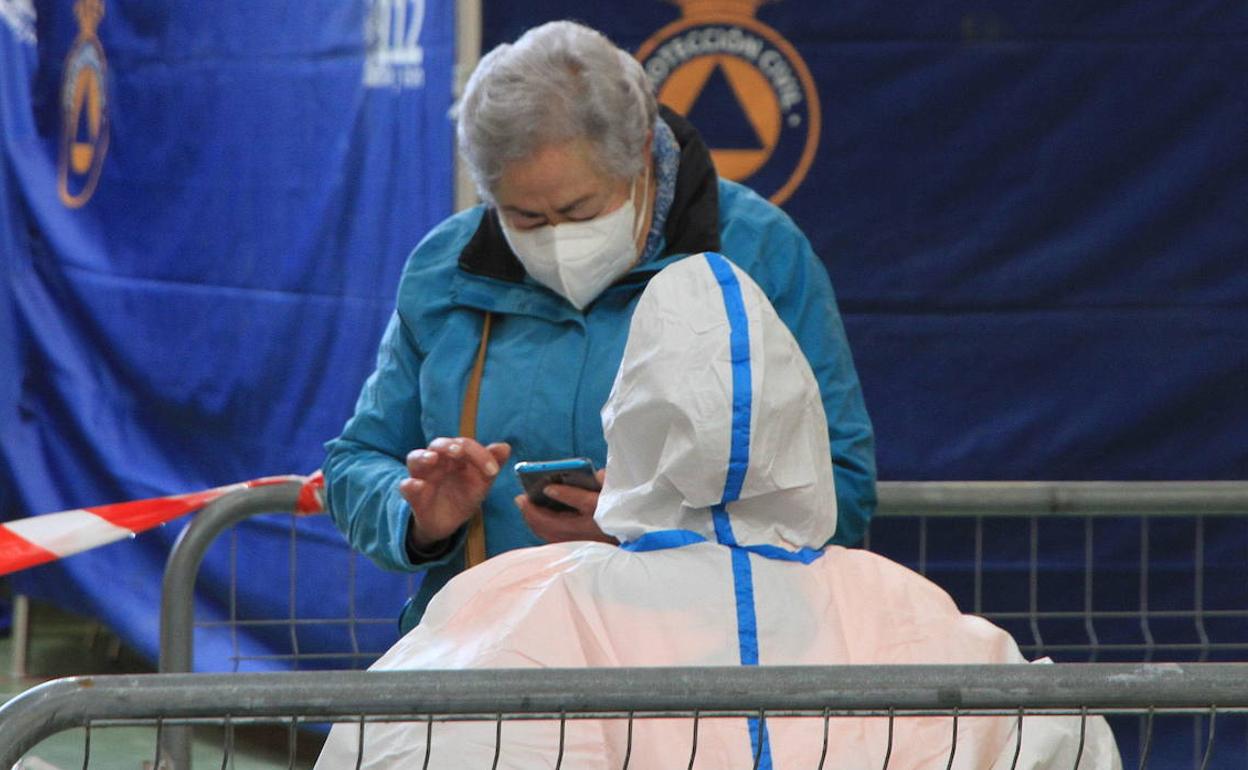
1018	740
351	577
177	597
233	605
1147	739
293	580
1145	628
160	727
178	588
351	655
953	741
1033	583
76	701
1073	498
628	745
693	750
977	605
1198	598
858	713
292	742
1089	614
1213	720
823	749
922	566
1155	646
1116	614
305	621
498	741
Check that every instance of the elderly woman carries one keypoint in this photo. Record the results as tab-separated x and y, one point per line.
513	315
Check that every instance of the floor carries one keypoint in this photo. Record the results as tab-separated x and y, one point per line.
65	645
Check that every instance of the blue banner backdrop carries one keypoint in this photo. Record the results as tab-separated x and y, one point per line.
206	207
1034	217
1033	213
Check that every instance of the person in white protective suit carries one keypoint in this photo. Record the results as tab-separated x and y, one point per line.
719	488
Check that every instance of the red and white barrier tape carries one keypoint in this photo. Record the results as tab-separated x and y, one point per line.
40	539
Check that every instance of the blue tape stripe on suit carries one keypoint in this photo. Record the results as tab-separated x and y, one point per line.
742	387
738	461
663	539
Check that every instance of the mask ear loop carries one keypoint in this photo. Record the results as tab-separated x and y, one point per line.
644	211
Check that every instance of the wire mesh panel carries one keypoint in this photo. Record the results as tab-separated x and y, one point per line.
337	609
249	590
1082	571
611	718
1166	740
1090	583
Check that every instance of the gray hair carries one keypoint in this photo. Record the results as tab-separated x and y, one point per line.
559	82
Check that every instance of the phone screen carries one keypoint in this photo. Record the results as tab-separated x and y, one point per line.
574	472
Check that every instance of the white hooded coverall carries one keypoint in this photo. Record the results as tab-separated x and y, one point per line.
719	487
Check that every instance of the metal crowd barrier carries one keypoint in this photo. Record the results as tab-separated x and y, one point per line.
1003	528
178	623
1083	571
1218	692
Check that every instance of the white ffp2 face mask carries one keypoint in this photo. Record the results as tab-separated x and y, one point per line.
578	260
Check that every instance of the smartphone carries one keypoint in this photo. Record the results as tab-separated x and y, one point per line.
574	471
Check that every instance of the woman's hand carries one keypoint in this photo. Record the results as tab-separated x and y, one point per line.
448	480
562	526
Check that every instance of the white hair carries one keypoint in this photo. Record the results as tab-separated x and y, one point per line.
559	82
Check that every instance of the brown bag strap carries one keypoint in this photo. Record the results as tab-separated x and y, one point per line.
474	546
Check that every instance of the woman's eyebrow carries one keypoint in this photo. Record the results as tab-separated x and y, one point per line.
571	206
561	210
522	212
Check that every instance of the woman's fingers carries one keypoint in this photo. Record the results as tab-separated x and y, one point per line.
545	523
559	526
467	451
501	451
447	481
417	493
585	501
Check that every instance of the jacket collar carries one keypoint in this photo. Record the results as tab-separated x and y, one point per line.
692	223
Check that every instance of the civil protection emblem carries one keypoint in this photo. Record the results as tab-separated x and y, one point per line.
744	87
84	109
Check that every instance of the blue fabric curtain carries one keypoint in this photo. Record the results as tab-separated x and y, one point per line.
1033	212
1033	215
206	207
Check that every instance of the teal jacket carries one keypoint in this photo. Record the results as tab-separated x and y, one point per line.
549	367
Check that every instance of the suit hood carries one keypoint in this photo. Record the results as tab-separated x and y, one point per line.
715	420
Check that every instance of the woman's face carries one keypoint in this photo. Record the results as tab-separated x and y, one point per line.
559	183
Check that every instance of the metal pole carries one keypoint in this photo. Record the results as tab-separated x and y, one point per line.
21	636
807	690
177	600
467	54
